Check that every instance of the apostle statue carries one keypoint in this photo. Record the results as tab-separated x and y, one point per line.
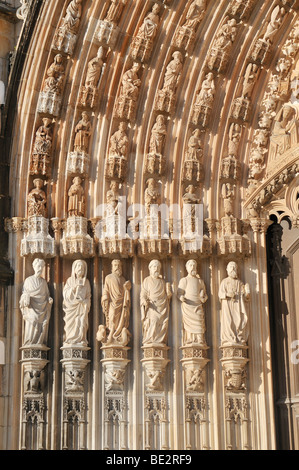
76	305
36	304
154	300
233	295
116	302
192	294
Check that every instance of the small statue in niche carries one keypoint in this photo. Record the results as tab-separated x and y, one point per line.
235	132
36	304
274	24
228	193
71	20
194	150
207	91
173	73
43	138
192	295
119	142
116	302
115	11
280	138
76	203
158	134
190	196
233	295
194	14
126	102
40	162
55	76
94	71
37	200
76	305
190	201
113	198
142	43
165	99
226	35
186	33
82	134
250	77
152	195
155	161
154	300
204	101
116	163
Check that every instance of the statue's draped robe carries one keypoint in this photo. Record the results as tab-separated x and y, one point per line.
76	311
233	312
155	324
192	308
119	304
37	315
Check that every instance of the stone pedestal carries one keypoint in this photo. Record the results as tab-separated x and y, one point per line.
74	361
194	361
49	103
125	108
78	163
200	246
240	109
231	239
88	97
234	360
184	38
193	171
217	60
116	168
261	52
107	33
154	164
64	41
165	101
230	168
34	360
115	361
155	360
37	241
75	240
201	115
141	49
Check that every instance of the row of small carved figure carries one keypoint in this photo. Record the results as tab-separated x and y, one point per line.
155	297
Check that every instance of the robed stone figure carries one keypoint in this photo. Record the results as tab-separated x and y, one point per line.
116	302
155	299
36	304
233	295
76	305
192	294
